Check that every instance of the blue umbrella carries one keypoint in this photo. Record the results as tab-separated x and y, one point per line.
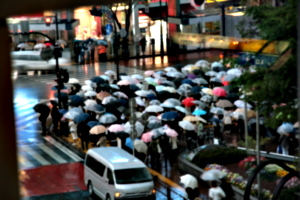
76	100
151	96
103	42
99	108
134	87
187	81
81	117
196	89
129	143
199	112
285	128
169	116
62	111
91	124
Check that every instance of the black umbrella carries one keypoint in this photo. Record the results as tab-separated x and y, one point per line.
134	87
76	100
178	66
199	72
122	134
163	95
98	80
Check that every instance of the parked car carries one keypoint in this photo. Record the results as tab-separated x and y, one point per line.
23	61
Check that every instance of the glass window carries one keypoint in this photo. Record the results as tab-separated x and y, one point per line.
135	175
110	177
95	165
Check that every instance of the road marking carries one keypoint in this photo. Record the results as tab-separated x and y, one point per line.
24	163
50	152
36	156
27	119
70	153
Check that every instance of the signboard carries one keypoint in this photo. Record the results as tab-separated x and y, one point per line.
260	60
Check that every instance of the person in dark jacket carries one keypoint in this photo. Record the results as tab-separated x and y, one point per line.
56	116
44	111
77	51
226	187
143	44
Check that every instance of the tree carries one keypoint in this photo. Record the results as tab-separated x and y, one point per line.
274	91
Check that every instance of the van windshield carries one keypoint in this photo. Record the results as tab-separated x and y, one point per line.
135	175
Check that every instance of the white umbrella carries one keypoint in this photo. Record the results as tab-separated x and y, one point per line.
211	73
206	98
215	79
187	125
137	76
153	123
213	175
90	102
189	181
167	105
73	112
173	101
169	89
90	94
22	45
105	77
108	119
110	73
140	146
176	74
200	81
181	109
170	69
130	79
73	80
108	99
230	77
154	102
235	71
217	110
202	63
120	95
114	86
154	108
241	104
217	65
39	46
139	128
142	93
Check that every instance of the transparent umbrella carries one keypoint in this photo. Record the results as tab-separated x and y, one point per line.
107	119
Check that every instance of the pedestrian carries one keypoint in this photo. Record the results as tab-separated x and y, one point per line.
73	131
56	116
102	53
142	43
215	192
82	53
227	188
44	111
77	51
83	131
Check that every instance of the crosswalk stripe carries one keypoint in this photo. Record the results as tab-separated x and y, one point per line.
50	152
64	149
36	156
27	118
24	163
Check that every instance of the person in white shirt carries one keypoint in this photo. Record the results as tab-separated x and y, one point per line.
215	192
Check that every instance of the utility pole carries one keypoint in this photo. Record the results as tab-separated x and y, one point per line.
161	30
132	104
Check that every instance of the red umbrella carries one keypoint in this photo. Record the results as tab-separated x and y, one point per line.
188	102
220	92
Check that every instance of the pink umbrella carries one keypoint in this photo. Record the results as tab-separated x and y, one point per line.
149	72
147	137
123	82
220	92
171	132
188	102
116	128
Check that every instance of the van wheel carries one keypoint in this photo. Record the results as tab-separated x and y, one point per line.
90	188
108	197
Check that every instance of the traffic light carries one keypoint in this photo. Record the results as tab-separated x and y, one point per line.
96	12
48	21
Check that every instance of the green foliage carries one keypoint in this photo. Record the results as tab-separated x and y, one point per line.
289	193
222	156
252	142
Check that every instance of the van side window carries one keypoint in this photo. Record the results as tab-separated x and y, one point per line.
110	177
95	165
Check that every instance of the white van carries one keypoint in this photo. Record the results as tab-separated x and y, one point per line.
112	173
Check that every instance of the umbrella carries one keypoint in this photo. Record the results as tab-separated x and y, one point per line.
200	81
168	83
206	98
107	119
73	80
215	80
123	82
213	175
236	115
98	80
207	91
187	125
91	124
73	112
171	132
217	66
199	112
200	104
90	94
173	101
153	124
101	95
167	105
169	89
189	181
140	146
108	99
176	74
241	104
217	110
129	143
224	103
191	76
187	81
102	42
81	117
250	113
139	128
188	102
76	100
185	86
105	77
147	137
181	109
110	73
120	95
154	109
170	69
285	128
220	92
229	77
99	109
98	129
114	86
122	135
169	116
190	118
211	73
116	128
142	93
235	72
149	73
201	63
130	79
87	88
154	102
